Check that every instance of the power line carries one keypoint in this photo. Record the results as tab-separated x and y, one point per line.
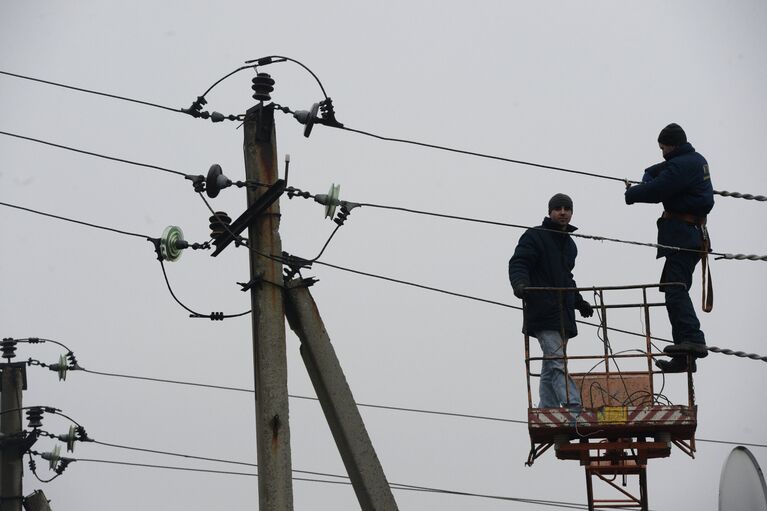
364	405
573	234
720	255
297	192
748	196
89	91
217	315
80	222
269	60
394	486
91	153
213	316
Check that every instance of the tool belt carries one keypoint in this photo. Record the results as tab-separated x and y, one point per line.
700	221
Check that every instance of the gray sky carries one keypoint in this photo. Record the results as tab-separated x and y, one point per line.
584	85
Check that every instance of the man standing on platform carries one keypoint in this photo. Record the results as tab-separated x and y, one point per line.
545	257
683	184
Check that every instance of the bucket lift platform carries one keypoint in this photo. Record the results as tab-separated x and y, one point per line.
622	423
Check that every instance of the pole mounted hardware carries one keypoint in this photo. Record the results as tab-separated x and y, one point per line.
309	117
263	86
172	243
53	457
329	200
61	367
258	207
168	247
216	181
8	348
69	438
35	417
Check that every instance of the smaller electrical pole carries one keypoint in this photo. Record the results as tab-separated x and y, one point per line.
12	444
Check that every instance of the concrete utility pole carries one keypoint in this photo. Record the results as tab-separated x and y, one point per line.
275	491
13	446
359	456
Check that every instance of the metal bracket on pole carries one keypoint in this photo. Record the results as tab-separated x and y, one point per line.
250	214
354	445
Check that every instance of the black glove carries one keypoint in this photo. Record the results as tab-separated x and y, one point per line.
585	309
519	289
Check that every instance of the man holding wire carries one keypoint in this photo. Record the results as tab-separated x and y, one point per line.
683	184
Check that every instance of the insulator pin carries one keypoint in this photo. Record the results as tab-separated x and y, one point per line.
263	85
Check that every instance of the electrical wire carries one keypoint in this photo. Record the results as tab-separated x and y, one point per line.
89	91
193	314
296	192
360	404
80	222
394	486
760	198
263	61
719	255
216	316
91	153
723	193
573	234
381	277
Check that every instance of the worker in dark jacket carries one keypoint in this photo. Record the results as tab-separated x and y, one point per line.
683	184
545	257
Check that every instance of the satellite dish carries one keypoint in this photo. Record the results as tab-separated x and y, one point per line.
741	487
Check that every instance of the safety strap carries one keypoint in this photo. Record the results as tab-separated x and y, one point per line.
708	287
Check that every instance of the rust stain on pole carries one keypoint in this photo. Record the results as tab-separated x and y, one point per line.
275	491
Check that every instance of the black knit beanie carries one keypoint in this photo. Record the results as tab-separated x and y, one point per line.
672	135
560	200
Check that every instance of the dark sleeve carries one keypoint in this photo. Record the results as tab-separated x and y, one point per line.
670	182
524	259
651	173
578	297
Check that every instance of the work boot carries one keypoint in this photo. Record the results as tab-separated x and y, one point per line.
696	349
675	365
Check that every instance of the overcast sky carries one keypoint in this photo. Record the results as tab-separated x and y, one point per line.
582	85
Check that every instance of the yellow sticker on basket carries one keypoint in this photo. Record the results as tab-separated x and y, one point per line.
613	415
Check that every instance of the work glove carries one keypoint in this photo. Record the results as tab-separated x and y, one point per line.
585	309
519	289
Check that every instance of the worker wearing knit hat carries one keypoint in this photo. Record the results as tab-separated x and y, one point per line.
560	200
682	183
545	257
672	135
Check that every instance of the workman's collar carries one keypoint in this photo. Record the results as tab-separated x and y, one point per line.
680	150
548	223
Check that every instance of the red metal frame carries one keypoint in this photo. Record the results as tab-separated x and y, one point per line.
614	438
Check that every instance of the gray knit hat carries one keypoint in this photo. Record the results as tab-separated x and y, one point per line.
560	200
672	135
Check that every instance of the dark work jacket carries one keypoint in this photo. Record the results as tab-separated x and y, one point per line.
546	259
683	184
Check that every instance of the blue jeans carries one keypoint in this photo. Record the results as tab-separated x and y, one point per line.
552	385
685	326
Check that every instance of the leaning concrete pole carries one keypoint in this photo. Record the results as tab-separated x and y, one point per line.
359	456
275	492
